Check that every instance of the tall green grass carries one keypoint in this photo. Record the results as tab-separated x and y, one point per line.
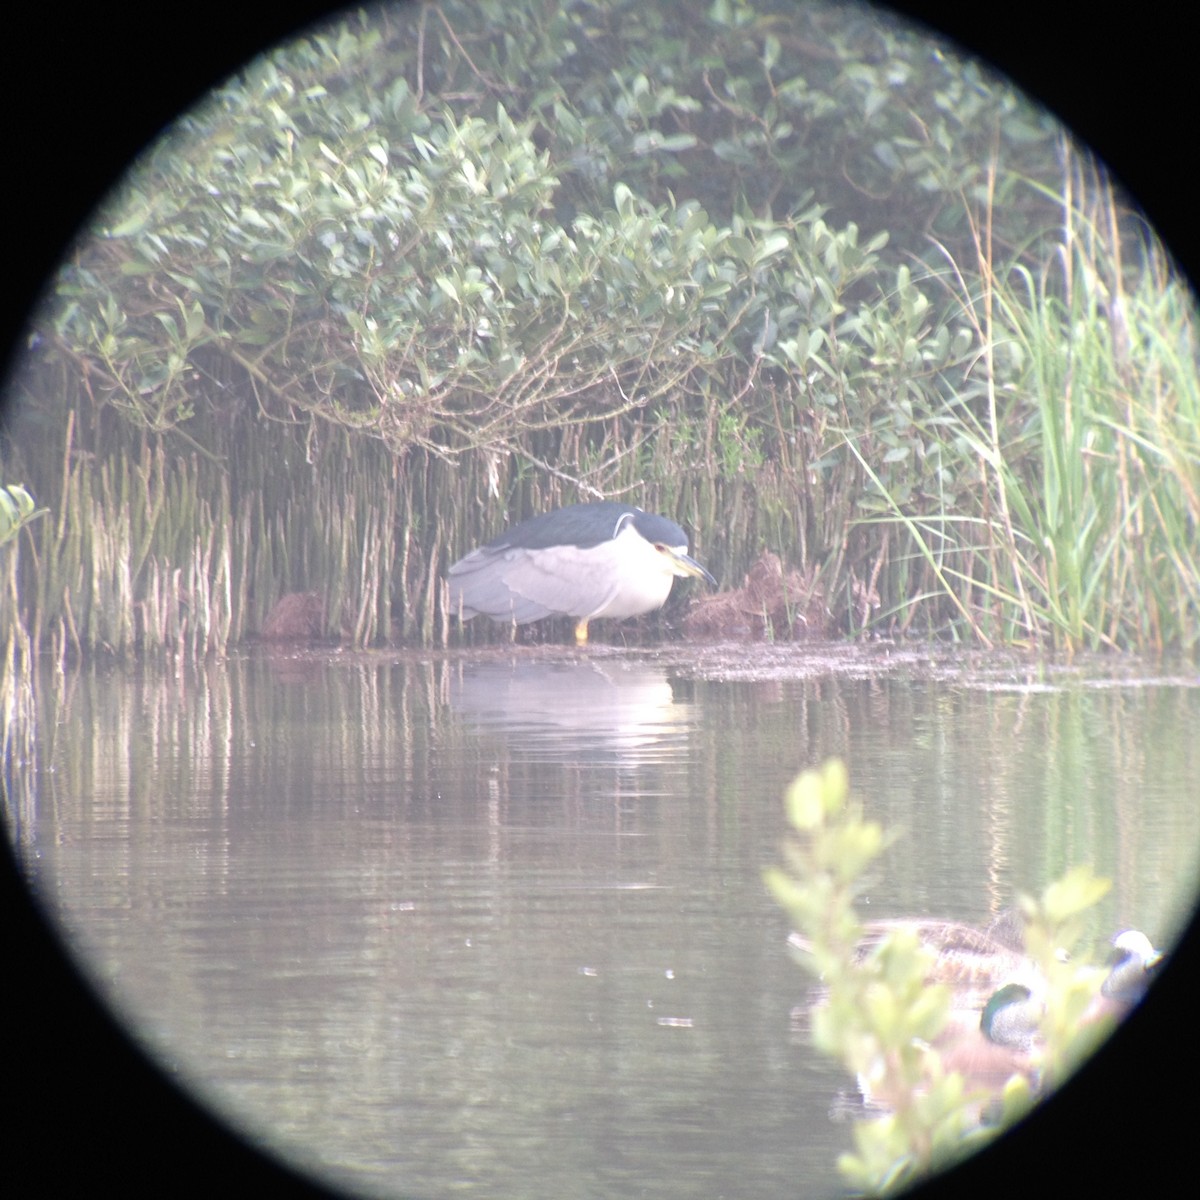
1082	416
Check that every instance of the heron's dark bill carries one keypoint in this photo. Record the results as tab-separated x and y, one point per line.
685	565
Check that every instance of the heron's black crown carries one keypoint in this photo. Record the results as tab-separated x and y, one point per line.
587	525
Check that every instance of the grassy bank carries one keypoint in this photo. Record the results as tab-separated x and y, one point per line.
1042	488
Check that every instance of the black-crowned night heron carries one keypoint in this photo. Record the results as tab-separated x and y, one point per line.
584	561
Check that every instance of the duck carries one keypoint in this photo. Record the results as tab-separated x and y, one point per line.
992	1032
968	960
973	963
1007	1037
1011	1015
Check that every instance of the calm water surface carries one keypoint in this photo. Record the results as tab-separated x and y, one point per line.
496	926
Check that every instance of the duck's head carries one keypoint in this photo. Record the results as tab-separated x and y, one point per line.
1011	1017
1133	964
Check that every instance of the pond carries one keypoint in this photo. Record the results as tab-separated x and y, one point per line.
494	923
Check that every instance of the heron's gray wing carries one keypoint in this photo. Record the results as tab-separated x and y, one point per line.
523	585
